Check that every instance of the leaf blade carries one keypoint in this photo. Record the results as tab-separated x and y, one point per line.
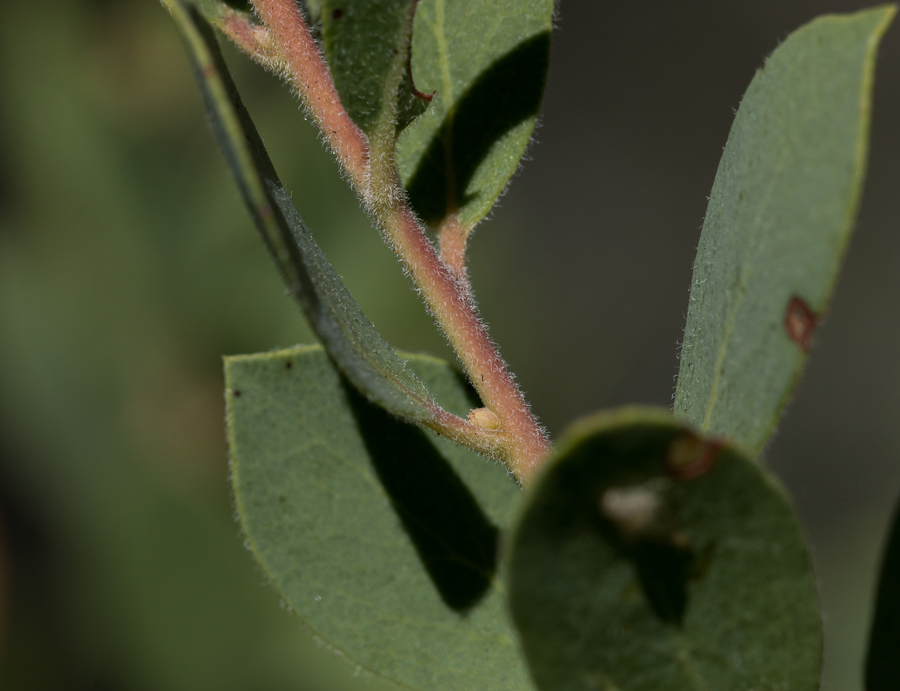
391	527
624	576
367	45
777	226
487	63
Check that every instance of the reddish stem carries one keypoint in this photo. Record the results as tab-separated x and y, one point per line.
520	441
452	236
253	39
309	74
450	301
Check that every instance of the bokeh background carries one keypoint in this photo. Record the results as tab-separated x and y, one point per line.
128	267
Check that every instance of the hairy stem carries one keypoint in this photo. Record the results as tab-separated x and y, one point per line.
519	442
452	237
450	301
253	39
308	73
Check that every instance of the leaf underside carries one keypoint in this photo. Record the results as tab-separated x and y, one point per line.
713	591
381	537
780	215
354	344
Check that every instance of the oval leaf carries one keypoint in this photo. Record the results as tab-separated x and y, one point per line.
647	559
351	339
380	536
779	217
486	62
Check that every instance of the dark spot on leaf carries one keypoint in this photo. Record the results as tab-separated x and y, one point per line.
454	539
337	13
237	394
288	364
800	322
690	456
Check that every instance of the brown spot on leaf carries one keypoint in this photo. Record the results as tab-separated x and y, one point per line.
800	322
690	456
237	394
337	13
288	364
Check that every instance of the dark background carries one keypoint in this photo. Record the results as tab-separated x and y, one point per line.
128	267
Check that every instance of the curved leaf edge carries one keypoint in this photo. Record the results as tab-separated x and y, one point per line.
860	165
270	580
582	430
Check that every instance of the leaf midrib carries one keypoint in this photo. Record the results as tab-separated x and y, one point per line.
746	272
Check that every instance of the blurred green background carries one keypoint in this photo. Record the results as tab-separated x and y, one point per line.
128	267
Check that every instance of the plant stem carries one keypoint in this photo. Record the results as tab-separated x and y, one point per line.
452	237
522	442
308	73
253	39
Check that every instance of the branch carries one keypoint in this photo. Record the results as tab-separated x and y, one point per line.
521	440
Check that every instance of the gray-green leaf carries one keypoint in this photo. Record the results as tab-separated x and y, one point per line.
367	45
780	214
486	61
380	536
354	344
646	559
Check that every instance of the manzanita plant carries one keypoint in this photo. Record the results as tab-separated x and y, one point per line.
648	549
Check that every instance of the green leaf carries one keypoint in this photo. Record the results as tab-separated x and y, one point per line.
780	214
367	46
882	670
380	536
351	340
487	62
646	559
